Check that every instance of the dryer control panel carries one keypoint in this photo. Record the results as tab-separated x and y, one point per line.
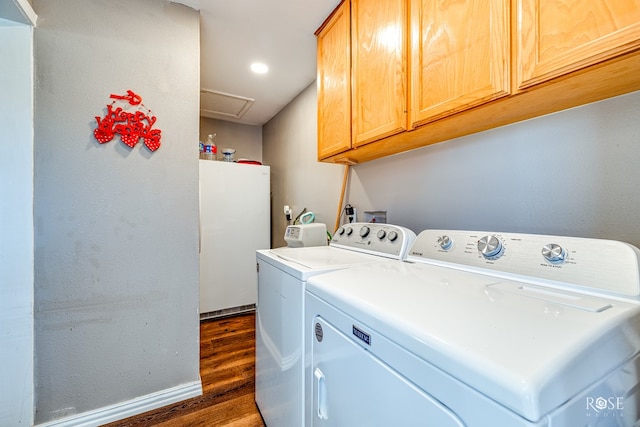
588	264
391	241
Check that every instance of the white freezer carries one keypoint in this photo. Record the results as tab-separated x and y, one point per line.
234	223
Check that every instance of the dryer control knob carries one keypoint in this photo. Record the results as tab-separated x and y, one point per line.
490	247
393	236
445	242
554	253
381	234
364	231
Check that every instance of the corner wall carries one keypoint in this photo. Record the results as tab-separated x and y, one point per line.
116	228
289	145
16	224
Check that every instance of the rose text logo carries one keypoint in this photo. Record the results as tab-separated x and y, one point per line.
605	406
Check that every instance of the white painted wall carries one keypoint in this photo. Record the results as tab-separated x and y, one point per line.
576	172
16	225
116	229
570	173
245	139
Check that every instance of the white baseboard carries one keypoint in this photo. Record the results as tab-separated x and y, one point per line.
129	408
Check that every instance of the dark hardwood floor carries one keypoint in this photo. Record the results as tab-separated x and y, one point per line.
227	369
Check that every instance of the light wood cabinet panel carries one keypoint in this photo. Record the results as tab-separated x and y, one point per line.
334	83
378	69
556	37
460	56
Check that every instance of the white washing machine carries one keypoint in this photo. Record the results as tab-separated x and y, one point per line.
478	329
282	275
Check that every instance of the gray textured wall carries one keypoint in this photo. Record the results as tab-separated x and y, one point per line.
576	172
116	229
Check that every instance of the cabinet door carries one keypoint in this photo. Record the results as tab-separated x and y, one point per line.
379	77
556	37
459	56
334	84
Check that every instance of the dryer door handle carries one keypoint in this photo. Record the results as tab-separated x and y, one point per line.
321	393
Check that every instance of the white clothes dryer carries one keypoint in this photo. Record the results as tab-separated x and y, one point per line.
282	276
478	329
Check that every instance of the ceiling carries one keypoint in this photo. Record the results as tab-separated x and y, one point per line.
235	33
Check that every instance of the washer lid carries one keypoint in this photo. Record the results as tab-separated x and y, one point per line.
526	347
305	262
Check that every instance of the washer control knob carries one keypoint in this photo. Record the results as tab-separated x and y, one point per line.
340	231
381	234
364	231
393	236
554	253
445	242
490	247
349	231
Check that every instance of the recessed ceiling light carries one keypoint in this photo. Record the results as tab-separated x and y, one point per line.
259	68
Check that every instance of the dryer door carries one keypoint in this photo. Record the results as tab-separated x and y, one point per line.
352	387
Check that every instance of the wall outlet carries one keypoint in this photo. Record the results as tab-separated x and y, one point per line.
375	216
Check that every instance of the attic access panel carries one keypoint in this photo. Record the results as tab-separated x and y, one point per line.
219	105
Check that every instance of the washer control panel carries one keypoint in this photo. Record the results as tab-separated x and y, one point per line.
597	264
392	241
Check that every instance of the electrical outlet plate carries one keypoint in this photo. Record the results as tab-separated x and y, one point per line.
375	216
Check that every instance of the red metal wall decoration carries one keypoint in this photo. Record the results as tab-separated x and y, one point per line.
130	126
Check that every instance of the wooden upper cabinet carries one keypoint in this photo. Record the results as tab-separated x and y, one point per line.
395	75
334	83
379	69
460	56
556	37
